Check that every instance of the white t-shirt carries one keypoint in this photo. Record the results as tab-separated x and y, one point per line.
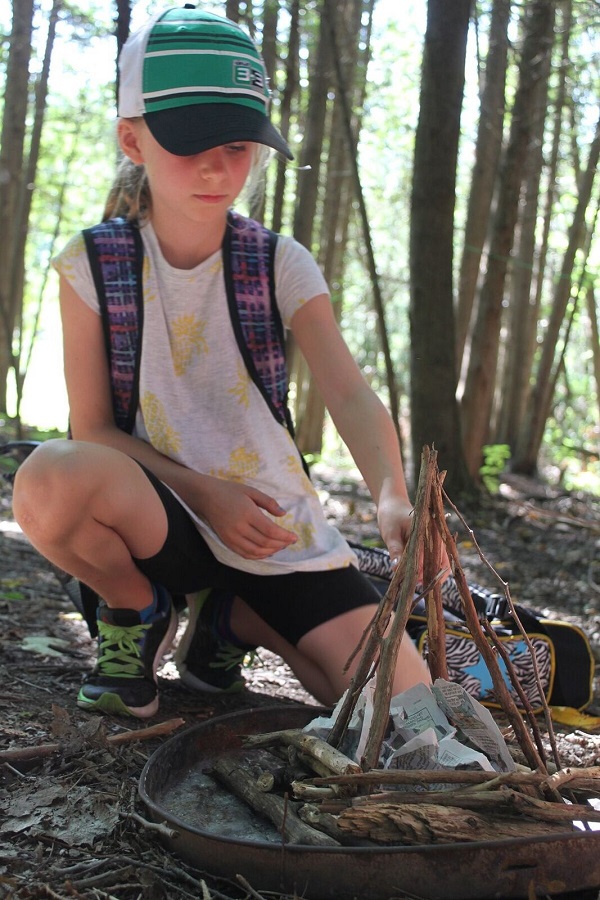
199	406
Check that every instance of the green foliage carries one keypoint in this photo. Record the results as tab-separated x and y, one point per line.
495	457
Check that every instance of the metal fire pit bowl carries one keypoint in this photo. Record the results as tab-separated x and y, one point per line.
217	833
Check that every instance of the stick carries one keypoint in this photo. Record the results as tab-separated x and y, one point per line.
505	799
367	663
500	648
436	655
445	776
502	694
22	754
335	761
525	636
281	813
391	643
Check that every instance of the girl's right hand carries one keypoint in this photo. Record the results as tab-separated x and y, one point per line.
234	512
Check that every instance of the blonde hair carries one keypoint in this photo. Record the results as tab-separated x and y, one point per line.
130	196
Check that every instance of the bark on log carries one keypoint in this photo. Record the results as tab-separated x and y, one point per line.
316	818
505	800
432	824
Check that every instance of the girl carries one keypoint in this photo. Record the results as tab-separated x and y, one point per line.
208	494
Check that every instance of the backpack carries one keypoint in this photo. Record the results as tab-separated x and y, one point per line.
564	657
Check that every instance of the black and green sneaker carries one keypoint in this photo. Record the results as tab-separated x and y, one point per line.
130	648
205	661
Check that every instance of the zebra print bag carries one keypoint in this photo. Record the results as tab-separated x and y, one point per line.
563	654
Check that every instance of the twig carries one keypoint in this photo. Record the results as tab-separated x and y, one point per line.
248	887
437	776
22	754
502	694
145	734
367	664
436	656
524	635
309	744
158	827
390	644
524	699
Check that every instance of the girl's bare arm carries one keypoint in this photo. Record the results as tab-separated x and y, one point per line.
359	416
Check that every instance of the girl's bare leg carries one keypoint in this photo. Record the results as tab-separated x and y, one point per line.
88	509
320	657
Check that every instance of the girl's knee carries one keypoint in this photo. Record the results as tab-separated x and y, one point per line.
44	486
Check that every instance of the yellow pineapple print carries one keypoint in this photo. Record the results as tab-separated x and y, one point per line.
74	249
304	531
162	436
187	341
243	465
240	389
149	296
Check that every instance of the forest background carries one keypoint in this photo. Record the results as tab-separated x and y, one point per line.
445	179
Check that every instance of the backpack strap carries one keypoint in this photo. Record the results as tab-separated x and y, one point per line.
249	271
116	256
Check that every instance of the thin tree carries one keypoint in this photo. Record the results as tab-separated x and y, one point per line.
434	409
532	430
339	188
12	156
288	95
309	179
481	375
522	316
23	207
485	169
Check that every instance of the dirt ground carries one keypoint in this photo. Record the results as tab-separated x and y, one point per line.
72	824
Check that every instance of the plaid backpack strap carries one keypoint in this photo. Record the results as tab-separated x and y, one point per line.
116	256
248	264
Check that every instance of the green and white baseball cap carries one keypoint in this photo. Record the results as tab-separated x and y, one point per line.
199	82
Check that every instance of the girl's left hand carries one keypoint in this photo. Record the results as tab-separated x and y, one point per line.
394	517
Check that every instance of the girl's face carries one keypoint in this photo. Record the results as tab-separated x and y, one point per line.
198	188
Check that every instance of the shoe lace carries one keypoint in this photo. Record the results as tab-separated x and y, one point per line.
120	651
228	656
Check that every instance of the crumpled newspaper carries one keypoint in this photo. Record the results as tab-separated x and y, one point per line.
441	727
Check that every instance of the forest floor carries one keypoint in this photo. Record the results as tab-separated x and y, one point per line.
72	824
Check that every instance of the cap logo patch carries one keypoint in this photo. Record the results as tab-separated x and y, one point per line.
245	74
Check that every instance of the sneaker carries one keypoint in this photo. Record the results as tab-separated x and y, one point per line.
204	660
129	652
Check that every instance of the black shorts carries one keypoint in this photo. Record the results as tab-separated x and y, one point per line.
292	604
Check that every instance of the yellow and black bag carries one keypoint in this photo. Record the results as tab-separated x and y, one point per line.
563	653
564	659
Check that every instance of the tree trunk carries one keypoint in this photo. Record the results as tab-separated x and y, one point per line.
532	430
123	27
595	340
487	155
12	144
528	339
434	411
321	77
289	92
21	223
336	202
481	375
522	315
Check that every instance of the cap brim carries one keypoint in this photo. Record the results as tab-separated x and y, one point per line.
185	130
